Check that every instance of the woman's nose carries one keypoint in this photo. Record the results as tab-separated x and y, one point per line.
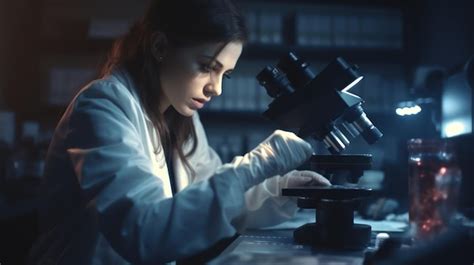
214	87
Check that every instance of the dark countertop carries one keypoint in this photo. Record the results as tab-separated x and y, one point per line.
278	247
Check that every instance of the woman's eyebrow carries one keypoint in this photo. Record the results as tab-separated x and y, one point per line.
213	59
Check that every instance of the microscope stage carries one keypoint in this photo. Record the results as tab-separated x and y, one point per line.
334	192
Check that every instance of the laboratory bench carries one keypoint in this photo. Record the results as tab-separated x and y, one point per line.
278	247
275	245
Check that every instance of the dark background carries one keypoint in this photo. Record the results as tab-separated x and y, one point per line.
47	47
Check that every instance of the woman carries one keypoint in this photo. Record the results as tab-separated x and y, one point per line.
130	177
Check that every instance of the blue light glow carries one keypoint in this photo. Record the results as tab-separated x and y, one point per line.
456	127
409	110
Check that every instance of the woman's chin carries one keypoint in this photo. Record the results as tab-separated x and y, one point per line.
186	111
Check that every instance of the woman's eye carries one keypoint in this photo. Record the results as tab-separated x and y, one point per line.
205	68
227	75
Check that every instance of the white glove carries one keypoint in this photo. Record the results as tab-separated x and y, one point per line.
281	152
297	178
272	187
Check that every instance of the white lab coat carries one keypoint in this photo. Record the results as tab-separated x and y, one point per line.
108	198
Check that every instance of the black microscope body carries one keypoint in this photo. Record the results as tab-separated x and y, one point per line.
320	107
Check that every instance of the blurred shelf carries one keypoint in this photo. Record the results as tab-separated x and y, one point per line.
356	54
370	3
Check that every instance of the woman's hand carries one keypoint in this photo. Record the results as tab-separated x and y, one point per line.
278	154
300	178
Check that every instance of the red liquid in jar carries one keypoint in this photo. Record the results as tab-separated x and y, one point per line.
433	189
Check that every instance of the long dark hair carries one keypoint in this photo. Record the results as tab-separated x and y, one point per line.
184	23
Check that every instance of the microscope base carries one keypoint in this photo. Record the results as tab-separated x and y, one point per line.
356	237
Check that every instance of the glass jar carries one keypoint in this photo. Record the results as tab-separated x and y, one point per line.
433	186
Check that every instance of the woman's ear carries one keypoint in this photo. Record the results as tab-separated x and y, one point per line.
159	44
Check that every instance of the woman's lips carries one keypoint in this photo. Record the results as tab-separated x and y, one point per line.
199	103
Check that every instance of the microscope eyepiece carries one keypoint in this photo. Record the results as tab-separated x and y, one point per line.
297	70
275	82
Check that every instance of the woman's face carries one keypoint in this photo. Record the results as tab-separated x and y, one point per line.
191	76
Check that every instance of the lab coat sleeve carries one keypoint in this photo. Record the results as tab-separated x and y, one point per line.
265	206
115	177
263	203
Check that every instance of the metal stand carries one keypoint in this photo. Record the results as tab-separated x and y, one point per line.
335	205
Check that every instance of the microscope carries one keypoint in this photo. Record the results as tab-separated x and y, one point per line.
320	107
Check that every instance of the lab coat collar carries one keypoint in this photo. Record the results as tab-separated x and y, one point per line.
182	175
121	75
150	135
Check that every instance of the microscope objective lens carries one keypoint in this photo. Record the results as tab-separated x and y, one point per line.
333	143
351	129
341	136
